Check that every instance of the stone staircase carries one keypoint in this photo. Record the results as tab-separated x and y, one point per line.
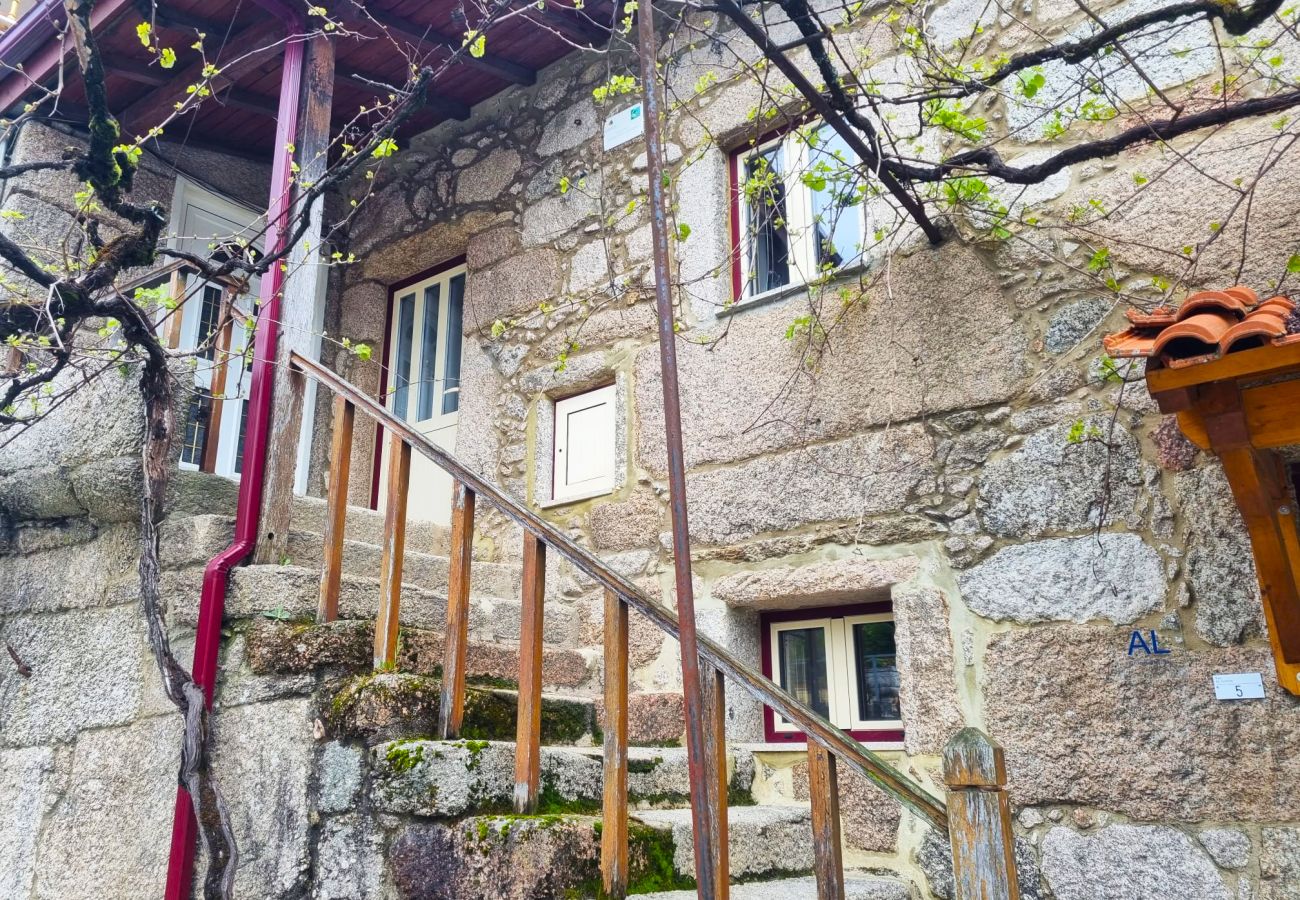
444	806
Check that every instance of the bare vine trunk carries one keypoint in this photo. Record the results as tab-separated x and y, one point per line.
195	772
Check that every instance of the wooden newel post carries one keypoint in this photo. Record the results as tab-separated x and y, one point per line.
979	818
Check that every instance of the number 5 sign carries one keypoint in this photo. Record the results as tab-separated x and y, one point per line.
1245	686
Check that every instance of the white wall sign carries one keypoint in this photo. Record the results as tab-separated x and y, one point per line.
623	127
1242	686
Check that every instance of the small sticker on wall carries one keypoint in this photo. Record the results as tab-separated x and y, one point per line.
623	127
1241	686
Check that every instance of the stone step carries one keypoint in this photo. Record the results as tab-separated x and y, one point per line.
291	593
399	708
276	647
201	494
424	570
558	855
765	841
856	887
445	779
367	526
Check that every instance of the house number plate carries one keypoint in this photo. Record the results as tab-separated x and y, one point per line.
1243	686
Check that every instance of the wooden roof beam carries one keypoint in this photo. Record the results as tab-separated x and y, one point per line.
418	36
255	43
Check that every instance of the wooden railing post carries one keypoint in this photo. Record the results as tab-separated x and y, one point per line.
613	835
528	732
715	744
452	708
390	572
336	509
979	818
823	789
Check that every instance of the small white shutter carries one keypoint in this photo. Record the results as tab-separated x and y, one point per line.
584	444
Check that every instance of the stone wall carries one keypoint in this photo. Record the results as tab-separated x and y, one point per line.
38	207
936	429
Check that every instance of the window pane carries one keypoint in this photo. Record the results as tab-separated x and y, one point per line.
429	352
195	443
451	371
402	364
837	213
209	317
243	430
769	256
803	666
877	670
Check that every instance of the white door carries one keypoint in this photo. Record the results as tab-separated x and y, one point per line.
216	324
424	383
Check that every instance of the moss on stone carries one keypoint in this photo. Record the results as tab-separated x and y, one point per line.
403	756
643	766
650	861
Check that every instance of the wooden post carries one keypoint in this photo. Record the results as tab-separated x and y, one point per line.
528	733
175	317
302	295
715	748
1259	486
613	834
979	819
336	509
823	789
456	641
390	571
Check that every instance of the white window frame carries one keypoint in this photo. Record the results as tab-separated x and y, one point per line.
850	661
562	491
443	279
800	233
841	679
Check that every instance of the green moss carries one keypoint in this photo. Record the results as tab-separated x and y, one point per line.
650	861
551	802
492	716
403	756
644	766
475	749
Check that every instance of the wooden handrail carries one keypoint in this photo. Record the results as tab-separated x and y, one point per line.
846	749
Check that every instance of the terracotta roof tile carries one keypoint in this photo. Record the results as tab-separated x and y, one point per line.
1208	325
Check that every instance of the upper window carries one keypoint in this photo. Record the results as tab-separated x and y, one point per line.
585	453
842	663
799	210
426	348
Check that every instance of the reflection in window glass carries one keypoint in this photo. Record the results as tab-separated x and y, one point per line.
402	364
209	318
451	370
195	443
769	236
877	670
803	666
243	430
429	353
837	215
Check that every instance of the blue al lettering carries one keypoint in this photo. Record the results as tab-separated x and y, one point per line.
1136	642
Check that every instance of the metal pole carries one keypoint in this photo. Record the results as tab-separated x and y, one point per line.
702	815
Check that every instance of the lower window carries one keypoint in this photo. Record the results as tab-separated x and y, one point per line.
841	662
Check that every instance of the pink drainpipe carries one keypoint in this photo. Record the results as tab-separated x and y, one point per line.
180	866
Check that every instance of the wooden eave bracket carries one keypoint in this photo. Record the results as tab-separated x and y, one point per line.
1231	407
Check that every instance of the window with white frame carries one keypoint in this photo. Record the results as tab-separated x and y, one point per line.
842	663
585	459
799	205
